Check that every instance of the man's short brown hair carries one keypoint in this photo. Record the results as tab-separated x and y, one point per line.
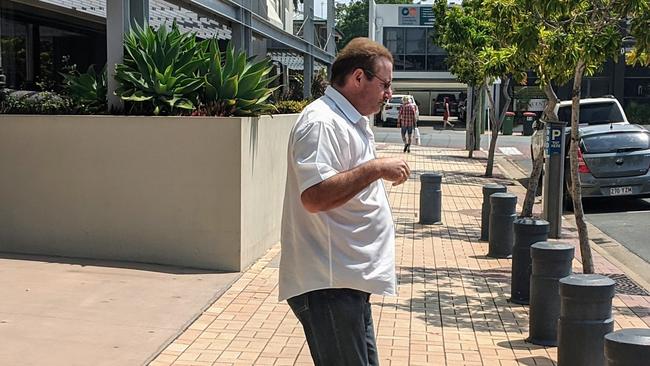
359	53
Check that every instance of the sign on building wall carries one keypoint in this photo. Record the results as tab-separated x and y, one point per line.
415	15
426	15
409	15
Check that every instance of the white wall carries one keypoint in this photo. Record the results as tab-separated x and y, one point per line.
196	192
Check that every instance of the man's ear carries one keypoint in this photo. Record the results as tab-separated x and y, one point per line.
357	74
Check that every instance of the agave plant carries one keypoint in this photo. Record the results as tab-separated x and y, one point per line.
235	84
159	71
88	89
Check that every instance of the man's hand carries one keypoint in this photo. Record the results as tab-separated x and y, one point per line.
394	170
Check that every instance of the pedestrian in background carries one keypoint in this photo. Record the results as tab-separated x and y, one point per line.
407	120
445	115
338	238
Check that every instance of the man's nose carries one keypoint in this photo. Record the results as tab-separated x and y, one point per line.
388	93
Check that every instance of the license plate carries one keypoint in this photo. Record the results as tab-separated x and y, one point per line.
618	191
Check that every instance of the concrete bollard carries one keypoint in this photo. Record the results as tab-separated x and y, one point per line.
430	198
528	231
585	318
502	217
488	190
551	262
627	347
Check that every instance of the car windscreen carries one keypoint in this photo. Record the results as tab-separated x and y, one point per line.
616	142
593	114
395	100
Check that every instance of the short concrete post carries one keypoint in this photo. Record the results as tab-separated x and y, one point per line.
551	262
528	231
502	217
627	347
430	198
488	190
585	318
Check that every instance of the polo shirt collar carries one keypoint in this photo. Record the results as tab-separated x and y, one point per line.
344	105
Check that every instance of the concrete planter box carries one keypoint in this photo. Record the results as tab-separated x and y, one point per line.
198	192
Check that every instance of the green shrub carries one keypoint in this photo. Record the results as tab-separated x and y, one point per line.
159	74
638	113
233	83
88	90
291	106
28	102
169	72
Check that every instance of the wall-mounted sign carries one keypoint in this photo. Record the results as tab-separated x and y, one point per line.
415	15
409	15
426	15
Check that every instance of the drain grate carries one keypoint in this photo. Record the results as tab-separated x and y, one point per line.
625	286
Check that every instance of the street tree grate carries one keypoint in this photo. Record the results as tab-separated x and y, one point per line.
625	285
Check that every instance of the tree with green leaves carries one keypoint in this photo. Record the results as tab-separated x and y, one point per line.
567	40
352	19
480	49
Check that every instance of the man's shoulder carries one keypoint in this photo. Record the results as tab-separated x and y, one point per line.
320	111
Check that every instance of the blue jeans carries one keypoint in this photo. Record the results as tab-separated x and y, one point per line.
338	326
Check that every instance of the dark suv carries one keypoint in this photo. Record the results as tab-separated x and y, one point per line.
439	104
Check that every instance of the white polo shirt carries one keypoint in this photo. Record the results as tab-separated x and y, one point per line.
353	245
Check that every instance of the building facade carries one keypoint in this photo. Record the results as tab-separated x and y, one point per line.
41	38
419	67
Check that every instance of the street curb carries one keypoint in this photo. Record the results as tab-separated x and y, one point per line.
631	264
613	251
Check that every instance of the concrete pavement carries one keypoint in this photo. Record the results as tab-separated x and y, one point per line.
452	306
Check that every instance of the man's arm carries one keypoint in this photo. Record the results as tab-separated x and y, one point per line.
340	188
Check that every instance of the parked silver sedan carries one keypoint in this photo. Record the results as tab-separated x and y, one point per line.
614	160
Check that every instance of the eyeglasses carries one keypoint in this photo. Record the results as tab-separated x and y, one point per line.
371	74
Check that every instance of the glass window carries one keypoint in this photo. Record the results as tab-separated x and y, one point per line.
13	51
394	40
433	48
416	41
414	63
615	142
436	63
398	62
599	87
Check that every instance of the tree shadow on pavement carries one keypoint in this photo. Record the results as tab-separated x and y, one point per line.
465	178
411	230
462	298
536	361
519	344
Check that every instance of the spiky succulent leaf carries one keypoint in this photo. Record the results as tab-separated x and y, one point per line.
160	69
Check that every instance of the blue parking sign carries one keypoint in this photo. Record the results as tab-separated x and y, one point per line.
554	139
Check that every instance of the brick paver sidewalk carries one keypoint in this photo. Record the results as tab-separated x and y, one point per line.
452	307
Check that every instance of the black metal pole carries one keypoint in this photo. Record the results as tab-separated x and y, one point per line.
430	198
628	347
528	231
585	318
488	190
502	217
551	262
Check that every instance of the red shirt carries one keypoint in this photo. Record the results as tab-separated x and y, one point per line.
406	117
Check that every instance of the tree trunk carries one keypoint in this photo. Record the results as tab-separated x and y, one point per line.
471	124
506	98
576	191
495	123
538	161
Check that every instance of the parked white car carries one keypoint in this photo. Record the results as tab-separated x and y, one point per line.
593	111
390	111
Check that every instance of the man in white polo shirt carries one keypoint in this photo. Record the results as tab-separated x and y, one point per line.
338	240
